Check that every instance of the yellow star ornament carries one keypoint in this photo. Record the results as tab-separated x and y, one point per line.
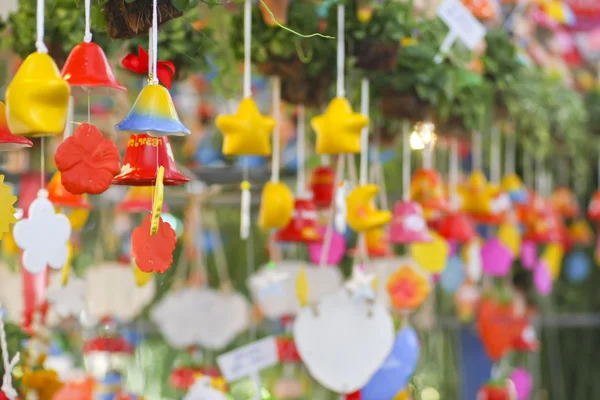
338	129
7	207
247	132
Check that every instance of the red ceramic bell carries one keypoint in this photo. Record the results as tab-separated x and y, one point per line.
594	207
426	188
322	185
544	225
61	197
143	156
287	351
138	200
87	68
456	227
565	203
408	223
527	341
303	226
8	141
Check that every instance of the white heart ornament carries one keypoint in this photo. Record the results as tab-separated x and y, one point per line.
345	342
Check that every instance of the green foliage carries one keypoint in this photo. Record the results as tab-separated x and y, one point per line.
391	21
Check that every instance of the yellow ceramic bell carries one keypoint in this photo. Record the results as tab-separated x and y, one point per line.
338	129
37	99
361	214
276	206
247	132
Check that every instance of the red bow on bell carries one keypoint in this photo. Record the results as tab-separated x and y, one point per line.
139	65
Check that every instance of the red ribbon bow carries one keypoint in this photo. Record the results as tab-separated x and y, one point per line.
139	65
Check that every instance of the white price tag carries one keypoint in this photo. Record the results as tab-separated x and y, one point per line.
463	25
248	360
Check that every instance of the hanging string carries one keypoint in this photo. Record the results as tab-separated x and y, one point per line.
340	92
476	150
339	174
364	154
7	387
511	150
300	150
247	50
495	156
43	164
276	94
405	161
153	58
428	155
40	46
453	172
87	37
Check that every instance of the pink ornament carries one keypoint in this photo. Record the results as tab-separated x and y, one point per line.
408	224
336	249
496	258
528	254
523	383
542	278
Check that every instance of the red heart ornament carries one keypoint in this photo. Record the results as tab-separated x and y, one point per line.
499	327
153	253
87	162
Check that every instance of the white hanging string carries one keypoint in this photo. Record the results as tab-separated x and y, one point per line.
276	99
476	151
150	56
428	155
496	144
453	172
339	175
7	387
87	37
40	46
405	161
509	157
300	150
340	92
364	154
153	55
247	41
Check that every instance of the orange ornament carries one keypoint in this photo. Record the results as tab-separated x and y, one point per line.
153	253
407	288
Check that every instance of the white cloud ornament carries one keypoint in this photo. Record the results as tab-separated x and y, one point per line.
43	236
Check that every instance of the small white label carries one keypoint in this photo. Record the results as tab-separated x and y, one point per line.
461	22
247	360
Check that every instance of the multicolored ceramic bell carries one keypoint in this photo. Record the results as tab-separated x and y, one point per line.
303	226
408	223
139	200
8	141
87	68
426	188
565	202
143	156
593	210
322	185
543	225
153	112
61	197
37	99
276	206
456	227
361	214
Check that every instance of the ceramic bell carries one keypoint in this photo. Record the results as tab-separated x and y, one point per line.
8	141
143	156
322	185
153	112
139	200
408	223
276	206
37	99
527	341
594	207
484	202
61	197
426	188
542	226
513	186
565	203
456	227
303	225
361	214
88	69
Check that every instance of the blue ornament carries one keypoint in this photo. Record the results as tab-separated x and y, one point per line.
520	196
577	267
394	374
208	155
251	162
453	275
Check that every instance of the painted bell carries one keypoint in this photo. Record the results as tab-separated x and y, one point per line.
361	214
565	202
593	210
322	185
303	225
143	156
87	68
426	188
276	206
408	223
456	227
37	99
8	141
61	197
543	226
153	112
139	200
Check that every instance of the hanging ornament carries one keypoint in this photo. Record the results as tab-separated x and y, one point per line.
153	253
8	141
276	206
426	189
565	202
466	300
496	316
59	196
408	224
594	207
580	233
407	288
457	227
431	256
338	129
7	208
337	248
322	185
302	228
496	257
483	201
87	162
144	154
138	199
361	214
510	237
165	70
514	187
43	236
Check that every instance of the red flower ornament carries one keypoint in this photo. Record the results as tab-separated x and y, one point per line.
153	253
139	64
87	162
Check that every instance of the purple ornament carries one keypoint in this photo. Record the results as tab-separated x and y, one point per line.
528	254
542	278
496	258
523	383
